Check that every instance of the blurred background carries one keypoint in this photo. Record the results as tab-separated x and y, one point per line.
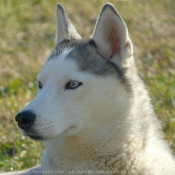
27	33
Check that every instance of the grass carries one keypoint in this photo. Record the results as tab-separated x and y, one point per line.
27	32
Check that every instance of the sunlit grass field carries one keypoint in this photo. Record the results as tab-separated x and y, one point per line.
27	32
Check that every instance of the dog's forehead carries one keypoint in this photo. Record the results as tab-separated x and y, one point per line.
59	66
89	60
86	55
71	56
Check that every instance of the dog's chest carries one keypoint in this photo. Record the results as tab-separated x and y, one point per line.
111	165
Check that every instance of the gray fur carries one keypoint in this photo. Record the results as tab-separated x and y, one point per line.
88	59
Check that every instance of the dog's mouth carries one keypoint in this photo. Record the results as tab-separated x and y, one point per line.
35	137
32	136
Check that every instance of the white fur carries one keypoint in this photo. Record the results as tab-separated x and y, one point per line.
102	127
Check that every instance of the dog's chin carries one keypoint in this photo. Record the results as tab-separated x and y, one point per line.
38	138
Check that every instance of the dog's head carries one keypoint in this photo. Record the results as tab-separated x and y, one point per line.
83	82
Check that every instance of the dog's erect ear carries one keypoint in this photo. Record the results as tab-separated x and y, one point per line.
65	29
111	37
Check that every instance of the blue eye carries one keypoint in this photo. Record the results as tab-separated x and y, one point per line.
73	84
40	85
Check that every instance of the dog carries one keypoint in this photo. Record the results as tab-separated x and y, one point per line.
93	112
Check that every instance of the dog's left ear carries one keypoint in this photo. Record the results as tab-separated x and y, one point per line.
65	28
111	37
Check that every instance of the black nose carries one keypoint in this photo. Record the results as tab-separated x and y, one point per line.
25	119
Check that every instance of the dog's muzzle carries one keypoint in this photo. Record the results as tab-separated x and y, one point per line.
25	119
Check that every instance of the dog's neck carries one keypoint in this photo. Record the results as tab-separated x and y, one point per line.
101	148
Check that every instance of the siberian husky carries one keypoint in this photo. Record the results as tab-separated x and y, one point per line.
93	112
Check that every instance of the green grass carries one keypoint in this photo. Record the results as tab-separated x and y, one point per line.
27	32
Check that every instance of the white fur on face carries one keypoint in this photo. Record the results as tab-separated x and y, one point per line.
67	112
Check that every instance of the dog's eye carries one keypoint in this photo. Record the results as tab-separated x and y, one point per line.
73	84
40	85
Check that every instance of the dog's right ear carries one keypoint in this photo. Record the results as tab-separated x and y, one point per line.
65	29
111	37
